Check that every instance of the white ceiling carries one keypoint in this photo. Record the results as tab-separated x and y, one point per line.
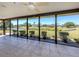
15	9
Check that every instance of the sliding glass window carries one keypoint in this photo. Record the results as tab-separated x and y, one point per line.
47	27
33	30
14	27
7	27
68	28
1	27
22	27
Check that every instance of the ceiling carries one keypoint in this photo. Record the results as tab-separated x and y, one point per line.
15	9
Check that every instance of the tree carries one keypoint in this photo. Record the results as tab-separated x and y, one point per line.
8	24
69	24
29	25
25	24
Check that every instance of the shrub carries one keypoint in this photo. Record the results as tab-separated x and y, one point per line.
14	32
63	36
77	40
44	34
64	33
32	33
60	30
22	33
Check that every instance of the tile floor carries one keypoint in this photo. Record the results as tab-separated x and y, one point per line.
19	47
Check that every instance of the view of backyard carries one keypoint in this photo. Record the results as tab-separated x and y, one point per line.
68	24
67	27
1	28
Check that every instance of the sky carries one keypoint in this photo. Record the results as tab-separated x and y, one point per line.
71	18
51	20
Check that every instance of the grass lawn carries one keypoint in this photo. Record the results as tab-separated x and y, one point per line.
1	32
50	31
73	34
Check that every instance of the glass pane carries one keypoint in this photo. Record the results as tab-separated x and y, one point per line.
47	26
13	26
7	27
33	27
22	22
1	27
68	28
